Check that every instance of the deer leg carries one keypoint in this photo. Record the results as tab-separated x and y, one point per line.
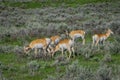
103	41
44	51
69	53
36	52
83	40
73	51
97	41
48	50
97	44
93	41
65	53
73	39
53	54
62	52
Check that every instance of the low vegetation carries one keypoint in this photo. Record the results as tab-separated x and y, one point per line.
22	22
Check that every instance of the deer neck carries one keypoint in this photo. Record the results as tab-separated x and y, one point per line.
107	34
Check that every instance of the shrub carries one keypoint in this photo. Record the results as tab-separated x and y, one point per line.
19	52
2	68
60	61
115	26
85	50
75	72
6	49
33	66
107	58
115	47
104	73
116	72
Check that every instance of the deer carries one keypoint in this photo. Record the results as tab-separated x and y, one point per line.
65	44
98	38
77	34
54	41
38	44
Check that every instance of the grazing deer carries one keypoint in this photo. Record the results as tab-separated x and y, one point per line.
38	44
77	34
54	41
66	44
98	38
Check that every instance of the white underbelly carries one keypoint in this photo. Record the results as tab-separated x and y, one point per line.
77	36
38	46
102	38
63	46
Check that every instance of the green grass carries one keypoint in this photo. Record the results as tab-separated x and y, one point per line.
16	63
38	4
15	66
115	59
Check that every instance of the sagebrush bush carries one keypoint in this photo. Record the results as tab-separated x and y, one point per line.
2	68
19	51
33	66
104	73
75	72
115	26
116	72
115	47
60	61
107	57
6	49
85	50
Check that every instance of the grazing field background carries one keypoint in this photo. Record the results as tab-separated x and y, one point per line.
22	21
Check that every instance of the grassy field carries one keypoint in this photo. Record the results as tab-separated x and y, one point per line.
17	68
53	3
22	22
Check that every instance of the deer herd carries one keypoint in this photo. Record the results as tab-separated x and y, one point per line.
56	43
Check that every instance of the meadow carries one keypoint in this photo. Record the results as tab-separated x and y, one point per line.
26	20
